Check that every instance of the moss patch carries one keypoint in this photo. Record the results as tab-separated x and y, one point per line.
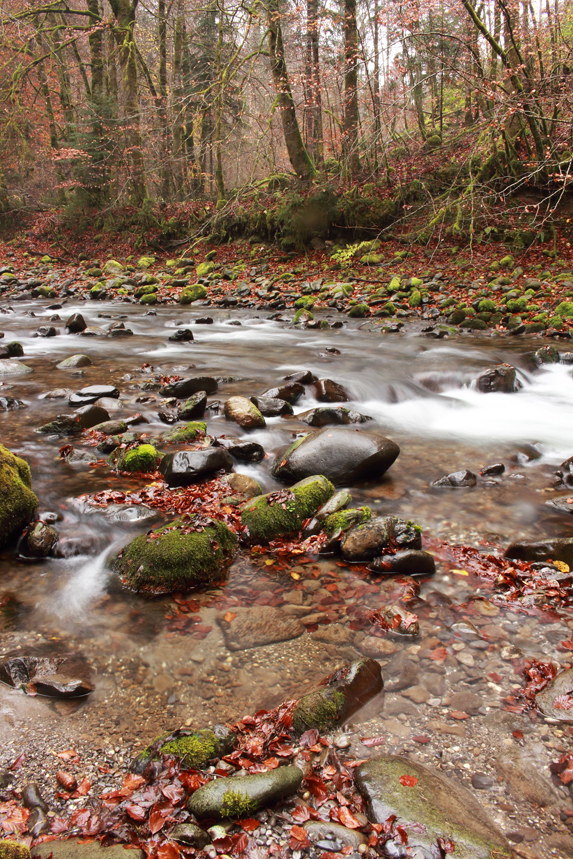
192	293
283	512
142	458
17	501
321	710
236	804
343	520
190	432
196	750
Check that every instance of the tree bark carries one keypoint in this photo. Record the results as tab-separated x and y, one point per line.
351	118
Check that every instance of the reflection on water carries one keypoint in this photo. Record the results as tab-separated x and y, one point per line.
416	391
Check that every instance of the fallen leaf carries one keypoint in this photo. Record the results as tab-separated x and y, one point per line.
230	615
347	818
408	780
249	824
373	741
459	715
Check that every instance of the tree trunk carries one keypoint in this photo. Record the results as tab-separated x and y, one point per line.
163	123
315	142
351	118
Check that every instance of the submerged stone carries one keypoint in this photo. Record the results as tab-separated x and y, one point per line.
190	552
430	806
239	797
556	700
193	748
367	541
557	549
257	626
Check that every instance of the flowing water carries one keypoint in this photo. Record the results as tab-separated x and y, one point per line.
151	676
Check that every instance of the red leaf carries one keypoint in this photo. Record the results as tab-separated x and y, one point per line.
59	825
18	762
408	780
347	818
168	851
298	833
156	821
130	783
446	845
136	812
249	824
173	793
83	789
373	741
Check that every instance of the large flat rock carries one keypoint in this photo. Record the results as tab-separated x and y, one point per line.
257	626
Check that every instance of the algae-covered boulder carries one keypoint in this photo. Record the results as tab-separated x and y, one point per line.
268	516
339	696
204	269
193	748
192	293
190	552
112	267
242	796
190	432
244	412
17	501
140	458
440	808
145	262
343	520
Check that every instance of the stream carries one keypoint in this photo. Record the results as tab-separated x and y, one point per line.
153	674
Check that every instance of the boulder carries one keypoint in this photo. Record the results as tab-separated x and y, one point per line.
437	806
305	377
17	501
556	549
344	520
190	552
456	480
184	388
258	626
92	393
12	350
411	562
112	427
73	362
11	404
268	516
339	696
325	416
242	484
188	466
240	448
499	378
291	392
192	431
182	335
141	458
89	416
40	540
10	367
546	355
327	391
244	412
272	407
239	797
76	323
194	407
342	455
367	541
191	293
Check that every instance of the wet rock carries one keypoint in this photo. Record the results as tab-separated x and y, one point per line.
188	466
493	470
377	648
345	520
565	472
456	480
499	378
247	451
303	377
40	540
327	391
272	407
325	416
193	748
244	412
191	834
47	331
525	781
204	320
367	541
339	501
194	407
38	822
44	676
77	848
76	323
129	512
62	425
400	620
319	831
193	431
407	563
12	350
89	416
112	427
441	807
73	362
10	367
142	458
243	485
481	781
32	798
9	404
342	455
182	335
339	696
258	626
242	796
190	552
556	700
564	505
89	395
17	501
467	702
291	392
282	512
541	550
546	355
184	388
78	457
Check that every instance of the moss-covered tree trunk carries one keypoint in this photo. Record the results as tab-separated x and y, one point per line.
298	156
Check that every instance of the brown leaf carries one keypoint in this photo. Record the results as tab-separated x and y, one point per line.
68	781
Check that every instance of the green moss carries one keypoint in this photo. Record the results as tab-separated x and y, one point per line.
46	291
302	315
204	268
190	432
319	709
507	261
17	501
343	520
150	298
565	309
394	284
555	322
13	850
145	262
192	293
268	516
176	557
236	805
474	324
486	305
147	289
305	301
456	317
142	458
359	311
415	299
195	750
516	305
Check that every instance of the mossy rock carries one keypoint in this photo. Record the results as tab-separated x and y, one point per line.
415	299
536	327
434	141
394	284
17	501
150	298
555	322
242	796
359	311
283	512
146	289
145	262
97	292
46	291
474	324
141	458
302	315
204	268
196	749
486	305
517	305
190	432
190	552
507	261
112	267
456	317
344	520
192	293
305	301
565	309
